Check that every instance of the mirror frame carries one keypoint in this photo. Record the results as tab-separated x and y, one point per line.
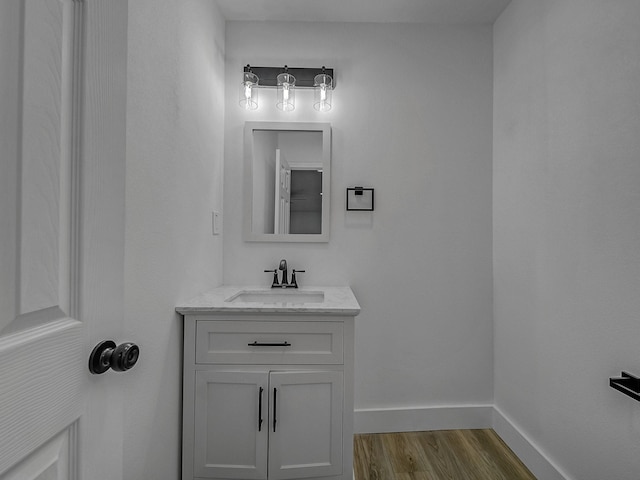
325	128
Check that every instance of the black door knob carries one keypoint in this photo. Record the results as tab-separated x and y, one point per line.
107	355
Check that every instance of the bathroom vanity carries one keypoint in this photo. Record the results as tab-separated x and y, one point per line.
268	384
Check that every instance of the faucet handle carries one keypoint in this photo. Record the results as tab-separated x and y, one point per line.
274	283
294	282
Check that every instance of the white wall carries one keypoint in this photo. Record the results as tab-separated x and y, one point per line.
411	117
174	180
567	229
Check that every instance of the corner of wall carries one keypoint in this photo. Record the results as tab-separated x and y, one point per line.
527	451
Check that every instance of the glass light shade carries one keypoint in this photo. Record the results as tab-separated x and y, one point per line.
286	84
249	91
322	88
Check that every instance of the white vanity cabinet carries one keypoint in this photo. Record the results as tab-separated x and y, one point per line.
270	424
267	395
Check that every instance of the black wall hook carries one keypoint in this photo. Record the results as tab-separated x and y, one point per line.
627	384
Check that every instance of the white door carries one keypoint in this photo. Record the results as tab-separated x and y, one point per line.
62	98
283	194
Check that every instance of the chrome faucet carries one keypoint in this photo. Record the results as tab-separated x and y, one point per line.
284	282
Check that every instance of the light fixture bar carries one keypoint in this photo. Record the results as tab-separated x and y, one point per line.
304	76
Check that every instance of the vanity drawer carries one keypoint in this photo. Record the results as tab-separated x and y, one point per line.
260	342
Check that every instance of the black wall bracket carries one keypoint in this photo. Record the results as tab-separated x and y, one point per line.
304	76
627	384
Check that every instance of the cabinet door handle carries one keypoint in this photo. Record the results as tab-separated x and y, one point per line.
260	409
275	392
266	344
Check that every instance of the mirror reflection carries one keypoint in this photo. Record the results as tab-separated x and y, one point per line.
287	181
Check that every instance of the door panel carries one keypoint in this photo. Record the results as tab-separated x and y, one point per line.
42	379
52	461
307	441
35	211
43	248
229	443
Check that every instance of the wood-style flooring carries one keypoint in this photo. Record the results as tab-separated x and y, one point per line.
438	455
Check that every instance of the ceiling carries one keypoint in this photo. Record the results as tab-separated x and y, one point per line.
377	11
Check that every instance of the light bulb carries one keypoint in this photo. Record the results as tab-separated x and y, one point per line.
286	84
248	91
323	84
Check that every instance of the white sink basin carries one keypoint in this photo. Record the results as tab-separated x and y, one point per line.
295	297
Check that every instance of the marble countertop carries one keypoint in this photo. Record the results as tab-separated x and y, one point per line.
337	301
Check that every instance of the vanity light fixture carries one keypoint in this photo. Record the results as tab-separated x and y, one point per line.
249	90
286	81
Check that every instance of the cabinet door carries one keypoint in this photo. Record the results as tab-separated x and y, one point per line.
305	424
230	439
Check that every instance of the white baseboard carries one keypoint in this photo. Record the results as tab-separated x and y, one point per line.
526	450
385	420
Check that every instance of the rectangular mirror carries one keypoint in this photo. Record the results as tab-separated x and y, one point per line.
287	181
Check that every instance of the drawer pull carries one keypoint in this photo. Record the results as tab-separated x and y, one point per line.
262	344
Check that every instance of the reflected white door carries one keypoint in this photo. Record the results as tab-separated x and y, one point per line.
58	275
283	194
